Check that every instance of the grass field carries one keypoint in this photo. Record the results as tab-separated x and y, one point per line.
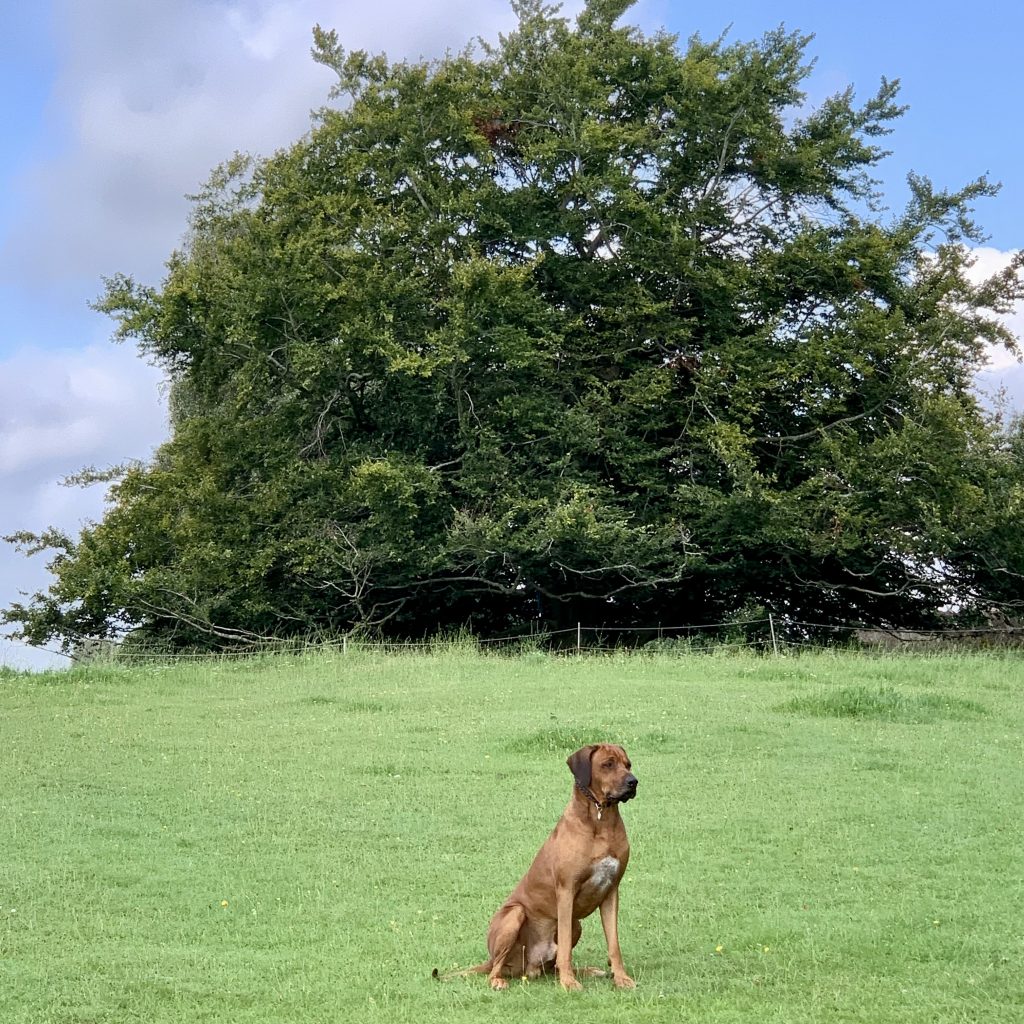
817	838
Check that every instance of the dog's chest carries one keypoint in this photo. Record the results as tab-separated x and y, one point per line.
603	873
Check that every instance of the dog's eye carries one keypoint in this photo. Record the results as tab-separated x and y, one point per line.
609	764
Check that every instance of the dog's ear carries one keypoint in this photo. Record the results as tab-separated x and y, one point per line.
579	764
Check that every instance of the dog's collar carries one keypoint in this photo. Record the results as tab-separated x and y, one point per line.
589	794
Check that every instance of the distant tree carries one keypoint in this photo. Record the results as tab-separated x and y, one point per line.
580	325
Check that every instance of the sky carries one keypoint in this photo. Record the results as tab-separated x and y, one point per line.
113	111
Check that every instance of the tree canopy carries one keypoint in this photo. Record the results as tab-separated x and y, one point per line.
582	324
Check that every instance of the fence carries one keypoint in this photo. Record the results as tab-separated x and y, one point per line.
770	634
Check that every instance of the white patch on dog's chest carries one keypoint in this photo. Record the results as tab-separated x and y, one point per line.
603	873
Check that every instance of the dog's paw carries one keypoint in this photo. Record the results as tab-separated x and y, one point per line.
570	984
624	981
498	984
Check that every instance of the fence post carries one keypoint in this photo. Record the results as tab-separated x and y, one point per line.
771	626
579	637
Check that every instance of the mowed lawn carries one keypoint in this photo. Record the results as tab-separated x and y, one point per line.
816	838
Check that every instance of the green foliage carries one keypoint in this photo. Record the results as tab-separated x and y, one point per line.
583	325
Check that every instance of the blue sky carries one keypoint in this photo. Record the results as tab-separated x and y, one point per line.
113	110
27	69
959	72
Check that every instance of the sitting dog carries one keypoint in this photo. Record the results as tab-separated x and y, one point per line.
577	870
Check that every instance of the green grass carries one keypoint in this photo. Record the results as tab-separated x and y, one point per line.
883	702
816	838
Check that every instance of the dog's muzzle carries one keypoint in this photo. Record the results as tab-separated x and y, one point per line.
628	789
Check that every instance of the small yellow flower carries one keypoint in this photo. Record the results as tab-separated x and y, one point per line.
719	949
767	949
223	903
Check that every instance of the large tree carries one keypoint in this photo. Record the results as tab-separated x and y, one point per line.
580	325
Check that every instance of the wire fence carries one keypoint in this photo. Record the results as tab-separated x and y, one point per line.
769	634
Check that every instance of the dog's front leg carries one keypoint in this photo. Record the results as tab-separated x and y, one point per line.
610	923
564	896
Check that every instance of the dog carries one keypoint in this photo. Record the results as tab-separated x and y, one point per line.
575	872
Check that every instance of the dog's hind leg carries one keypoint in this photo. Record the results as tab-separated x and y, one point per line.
501	942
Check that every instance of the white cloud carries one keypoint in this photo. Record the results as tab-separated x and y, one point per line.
154	95
30	445
1002	380
988	262
19	656
63	407
62	411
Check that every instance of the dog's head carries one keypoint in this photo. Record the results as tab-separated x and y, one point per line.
604	769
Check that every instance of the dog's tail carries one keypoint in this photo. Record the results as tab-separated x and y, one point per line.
484	968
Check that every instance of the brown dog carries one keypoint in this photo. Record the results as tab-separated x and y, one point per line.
577	870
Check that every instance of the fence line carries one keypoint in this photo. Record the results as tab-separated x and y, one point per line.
779	634
894	630
658	629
